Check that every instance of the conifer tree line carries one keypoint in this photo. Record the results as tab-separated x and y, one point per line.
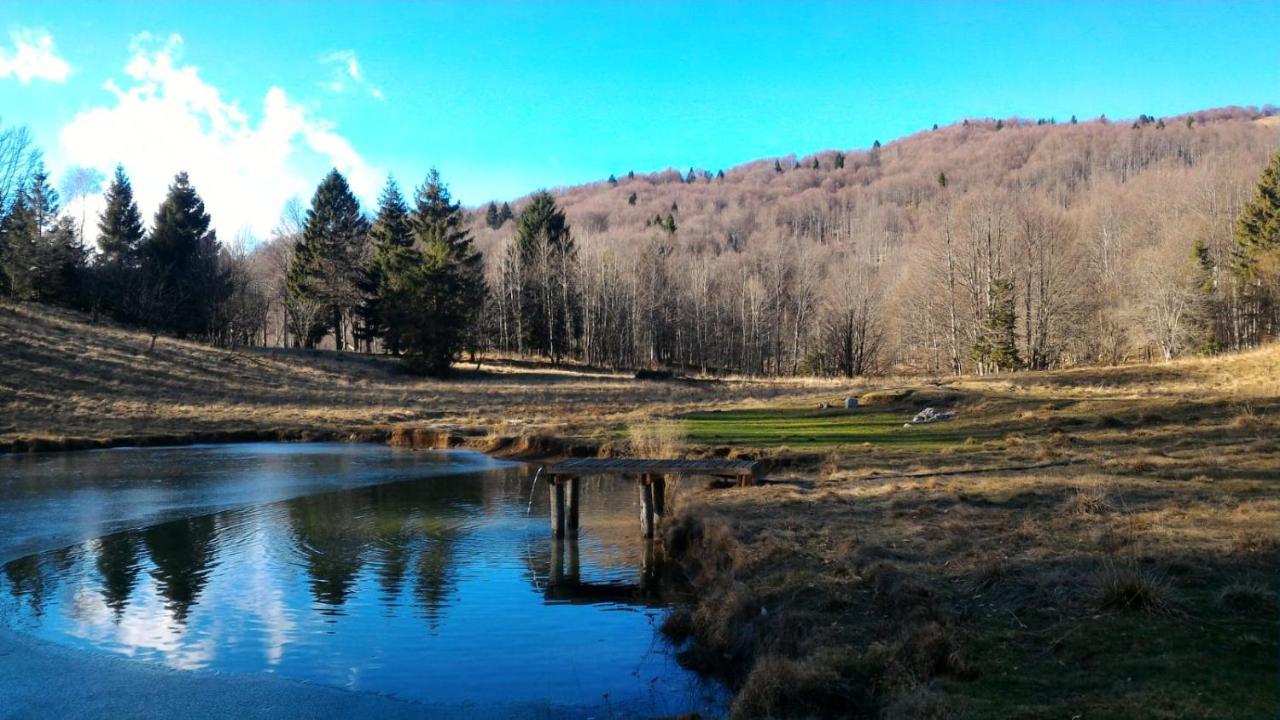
989	255
408	282
175	278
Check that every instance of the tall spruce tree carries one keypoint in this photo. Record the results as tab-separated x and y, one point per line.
440	283
997	346
327	264
491	217
505	214
391	247
547	258
120	236
1257	255
185	282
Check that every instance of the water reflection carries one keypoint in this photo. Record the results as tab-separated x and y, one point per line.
118	566
442	589
181	554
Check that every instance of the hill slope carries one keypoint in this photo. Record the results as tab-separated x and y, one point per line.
1091	224
66	382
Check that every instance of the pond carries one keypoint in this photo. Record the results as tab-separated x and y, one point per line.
428	576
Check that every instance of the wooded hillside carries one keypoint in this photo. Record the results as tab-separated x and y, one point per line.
984	246
978	246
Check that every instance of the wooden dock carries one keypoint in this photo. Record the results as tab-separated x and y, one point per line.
651	475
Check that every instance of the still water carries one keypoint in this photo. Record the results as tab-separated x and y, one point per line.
426	576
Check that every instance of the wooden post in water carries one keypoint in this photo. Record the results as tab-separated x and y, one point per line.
571	506
556	573
646	506
557	507
659	483
573	569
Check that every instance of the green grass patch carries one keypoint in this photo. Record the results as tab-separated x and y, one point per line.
810	428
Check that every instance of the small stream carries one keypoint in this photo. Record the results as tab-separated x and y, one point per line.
428	576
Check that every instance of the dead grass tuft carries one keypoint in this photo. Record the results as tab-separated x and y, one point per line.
1254	542
1248	598
1091	500
780	687
1248	419
1127	586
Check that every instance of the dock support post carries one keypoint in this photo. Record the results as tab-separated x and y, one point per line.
646	507
659	483
573	568
557	507
571	506
556	573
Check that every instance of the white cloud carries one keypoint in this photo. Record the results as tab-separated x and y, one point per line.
348	76
33	58
168	119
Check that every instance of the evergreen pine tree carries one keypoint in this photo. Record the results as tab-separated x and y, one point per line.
1204	270
613	180
1257	254
838	161
490	216
997	345
120	236
547	258
120	230
440	283
691	177
631	199
184	283
391	244
327	260
777	166
816	166
505	214
719	175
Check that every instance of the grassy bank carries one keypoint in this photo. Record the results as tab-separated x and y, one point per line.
66	382
908	572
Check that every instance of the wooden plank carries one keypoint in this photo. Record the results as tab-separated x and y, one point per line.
632	466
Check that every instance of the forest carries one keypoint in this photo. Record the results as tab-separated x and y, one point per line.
984	246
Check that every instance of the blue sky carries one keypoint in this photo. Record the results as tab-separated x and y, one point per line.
258	99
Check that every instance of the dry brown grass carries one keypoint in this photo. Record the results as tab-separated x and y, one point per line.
907	591
65	382
657	439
